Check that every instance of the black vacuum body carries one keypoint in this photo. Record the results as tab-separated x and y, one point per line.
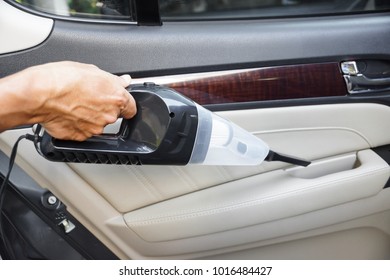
162	132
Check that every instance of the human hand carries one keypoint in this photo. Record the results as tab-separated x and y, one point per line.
78	100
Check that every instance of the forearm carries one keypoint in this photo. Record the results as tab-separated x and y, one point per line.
19	105
71	100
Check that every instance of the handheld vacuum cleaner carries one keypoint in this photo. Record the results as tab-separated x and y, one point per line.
168	129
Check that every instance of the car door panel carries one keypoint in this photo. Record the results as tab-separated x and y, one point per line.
174	207
277	78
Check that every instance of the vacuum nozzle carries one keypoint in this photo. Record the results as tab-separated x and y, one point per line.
273	156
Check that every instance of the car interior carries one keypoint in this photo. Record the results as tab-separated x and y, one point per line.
309	78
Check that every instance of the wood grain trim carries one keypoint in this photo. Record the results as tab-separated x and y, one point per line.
259	84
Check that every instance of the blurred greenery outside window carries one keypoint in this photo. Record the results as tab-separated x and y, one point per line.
231	9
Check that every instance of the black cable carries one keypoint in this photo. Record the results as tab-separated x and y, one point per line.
5	184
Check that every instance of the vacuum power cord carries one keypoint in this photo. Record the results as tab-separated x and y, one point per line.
4	187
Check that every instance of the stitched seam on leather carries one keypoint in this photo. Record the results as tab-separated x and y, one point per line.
183	175
185	214
145	182
225	173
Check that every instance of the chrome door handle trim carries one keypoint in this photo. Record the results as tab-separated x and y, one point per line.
359	83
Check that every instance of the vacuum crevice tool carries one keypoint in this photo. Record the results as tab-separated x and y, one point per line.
273	156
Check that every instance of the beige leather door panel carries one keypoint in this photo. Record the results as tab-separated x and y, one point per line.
200	211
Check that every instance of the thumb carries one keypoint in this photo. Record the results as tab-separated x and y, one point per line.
125	80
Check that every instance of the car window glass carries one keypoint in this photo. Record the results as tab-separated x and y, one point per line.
102	9
228	9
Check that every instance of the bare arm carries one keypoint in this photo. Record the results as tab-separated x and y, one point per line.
71	100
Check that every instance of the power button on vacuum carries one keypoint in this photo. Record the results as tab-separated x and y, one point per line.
149	84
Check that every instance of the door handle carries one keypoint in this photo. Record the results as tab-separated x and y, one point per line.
360	83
